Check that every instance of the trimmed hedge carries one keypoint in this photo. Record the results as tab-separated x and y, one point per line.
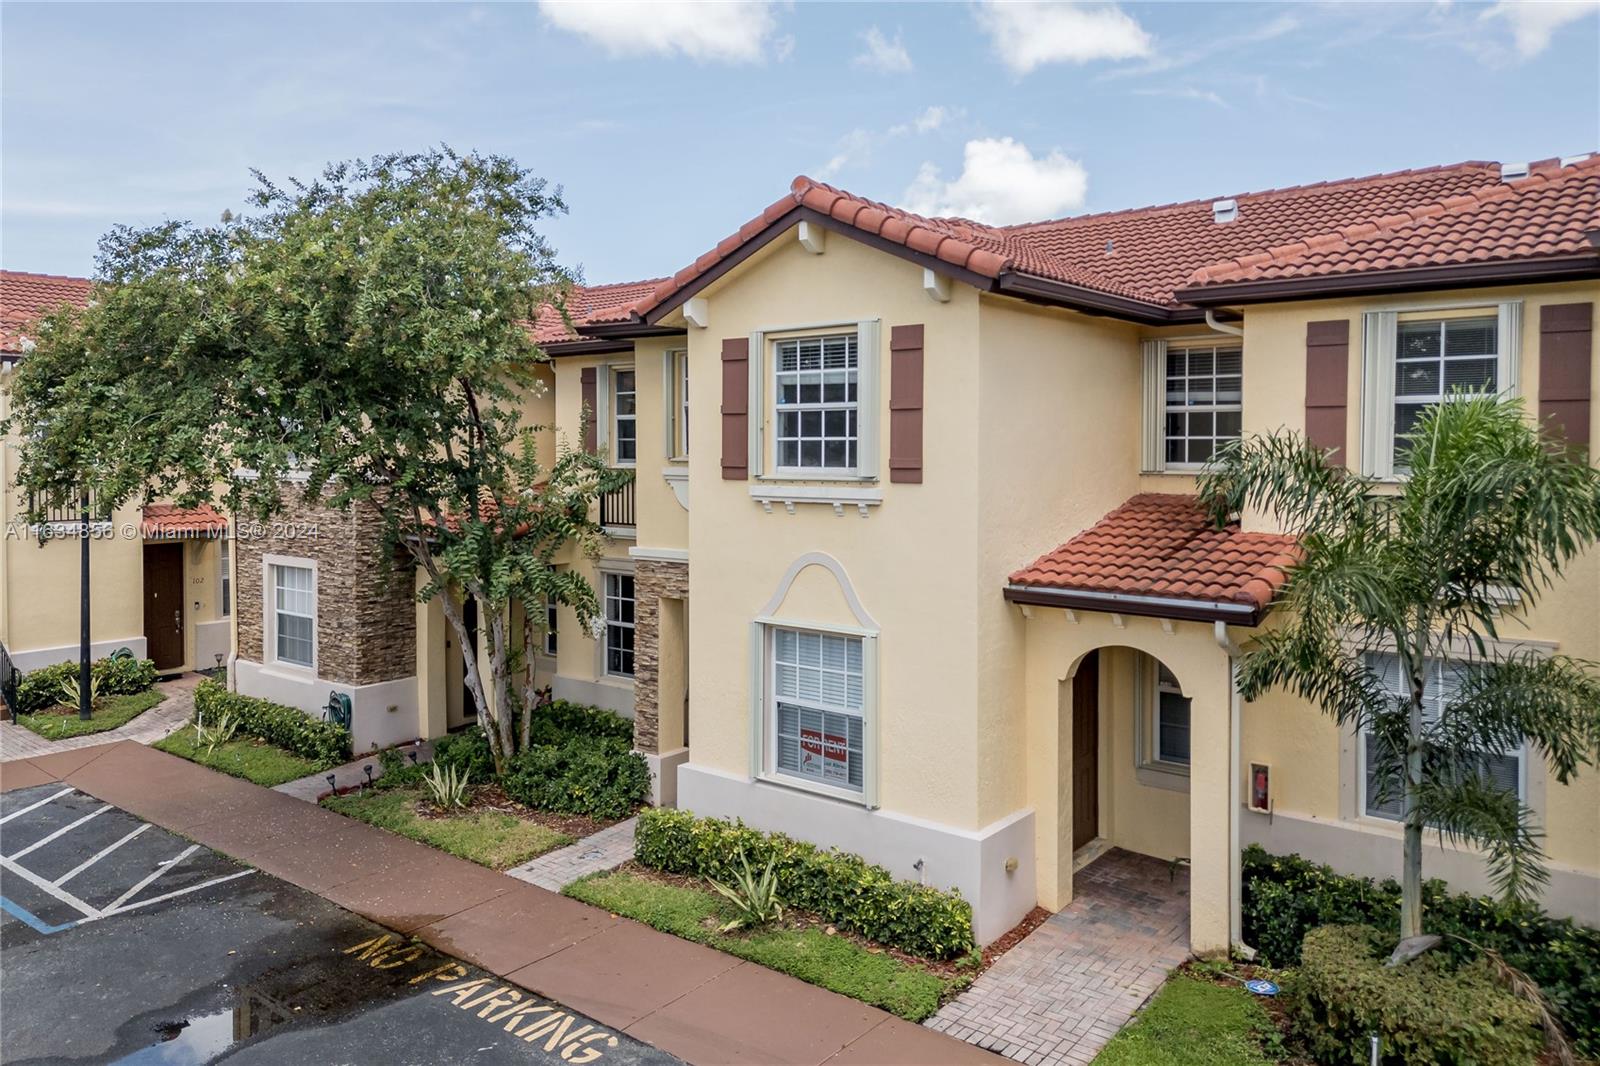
1427	1012
1286	896
555	722
843	888
597	776
286	727
41	689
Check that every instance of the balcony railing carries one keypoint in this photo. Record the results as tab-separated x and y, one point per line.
616	507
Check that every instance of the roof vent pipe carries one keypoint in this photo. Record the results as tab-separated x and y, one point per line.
1222	327
1513	171
1224	210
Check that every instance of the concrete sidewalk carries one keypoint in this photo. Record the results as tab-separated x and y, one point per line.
168	716
698	1004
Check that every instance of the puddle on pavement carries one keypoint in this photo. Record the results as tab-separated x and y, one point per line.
189	1042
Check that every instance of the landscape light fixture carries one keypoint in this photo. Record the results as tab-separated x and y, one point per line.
331	785
367	769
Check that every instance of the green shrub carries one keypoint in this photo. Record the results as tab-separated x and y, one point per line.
596	776
1287	896
41	689
843	888
466	752
286	727
555	722
1428	1012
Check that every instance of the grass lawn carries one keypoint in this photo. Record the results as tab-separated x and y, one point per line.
488	838
248	757
109	713
837	963
1191	1022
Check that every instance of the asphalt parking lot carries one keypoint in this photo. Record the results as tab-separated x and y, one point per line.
122	943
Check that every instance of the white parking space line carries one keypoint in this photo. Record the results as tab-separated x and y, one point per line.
163	868
109	911
88	911
69	827
97	856
36	806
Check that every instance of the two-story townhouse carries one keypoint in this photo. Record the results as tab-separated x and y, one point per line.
954	605
161	577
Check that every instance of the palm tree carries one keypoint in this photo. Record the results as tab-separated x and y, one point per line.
1390	621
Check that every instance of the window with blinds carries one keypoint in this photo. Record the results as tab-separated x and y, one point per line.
817	382
294	615
1383	797
1172	719
624	418
1204	401
1435	360
818	707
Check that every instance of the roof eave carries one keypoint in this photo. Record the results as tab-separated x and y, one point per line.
1233	614
633	327
1409	279
1094	302
585	346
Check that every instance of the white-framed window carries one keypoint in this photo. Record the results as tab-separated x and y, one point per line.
1203	403
1442	678
624	417
619	606
551	612
817	704
1161	732
1171	720
293	610
816	383
1416	358
224	577
677	403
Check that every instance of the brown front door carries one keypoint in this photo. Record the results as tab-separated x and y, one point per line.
1086	751
163	604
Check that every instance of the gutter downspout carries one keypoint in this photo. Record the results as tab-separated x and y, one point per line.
1235	879
1222	327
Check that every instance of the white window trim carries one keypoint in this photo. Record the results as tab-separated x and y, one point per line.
606	568
675	403
763	708
1359	740
1148	768
225	576
869	420
1153	423
269	613
1379	332
610	391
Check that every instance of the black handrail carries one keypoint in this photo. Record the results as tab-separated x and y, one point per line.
9	675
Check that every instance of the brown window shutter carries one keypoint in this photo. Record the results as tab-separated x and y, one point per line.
591	402
1328	386
905	404
736	408
1566	334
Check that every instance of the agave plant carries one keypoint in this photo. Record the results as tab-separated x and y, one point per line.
70	692
755	899
447	788
213	737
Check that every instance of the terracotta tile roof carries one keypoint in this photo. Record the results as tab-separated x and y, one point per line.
591	303
24	297
1149	254
167	521
1164	545
1554	211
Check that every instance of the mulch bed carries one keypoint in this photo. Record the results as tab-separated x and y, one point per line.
492	798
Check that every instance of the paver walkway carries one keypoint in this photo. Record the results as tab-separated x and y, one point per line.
698	1004
314	786
1063	992
605	850
19	742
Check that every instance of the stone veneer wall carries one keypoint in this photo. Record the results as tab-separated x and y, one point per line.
366	610
653	581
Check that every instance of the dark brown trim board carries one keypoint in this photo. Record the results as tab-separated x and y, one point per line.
1233	614
905	404
1566	341
1456	276
589	386
735	408
1328	386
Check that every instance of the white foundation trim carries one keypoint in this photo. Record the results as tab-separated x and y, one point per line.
613	694
37	658
382	714
664	775
973	861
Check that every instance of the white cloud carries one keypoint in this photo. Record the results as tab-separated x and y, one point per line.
927	122
729	33
1187	93
1002	183
1534	22
883	55
1027	35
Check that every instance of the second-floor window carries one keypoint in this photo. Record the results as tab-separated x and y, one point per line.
1203	402
678	404
1437	359
624	418
816	386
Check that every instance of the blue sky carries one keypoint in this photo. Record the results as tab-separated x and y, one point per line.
671	125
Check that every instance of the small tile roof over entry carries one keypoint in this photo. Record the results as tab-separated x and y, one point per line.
168	521
588	304
1165	546
24	297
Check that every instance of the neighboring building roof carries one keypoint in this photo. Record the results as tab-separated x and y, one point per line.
167	521
1142	263
1160	554
24	297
